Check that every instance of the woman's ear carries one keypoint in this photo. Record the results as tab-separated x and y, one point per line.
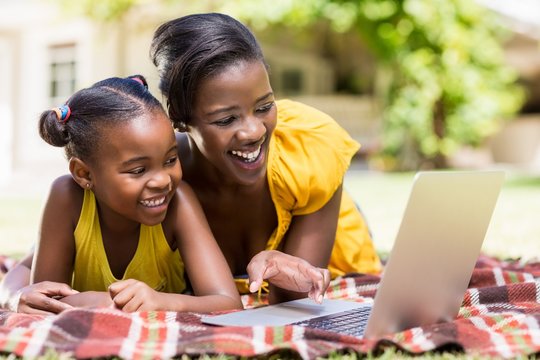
80	173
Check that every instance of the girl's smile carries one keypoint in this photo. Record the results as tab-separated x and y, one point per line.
141	168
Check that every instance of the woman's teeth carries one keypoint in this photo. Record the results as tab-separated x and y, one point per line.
154	202
247	156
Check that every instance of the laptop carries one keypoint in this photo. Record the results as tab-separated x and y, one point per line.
427	273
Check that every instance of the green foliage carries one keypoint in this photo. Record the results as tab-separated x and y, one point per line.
442	82
102	10
442	77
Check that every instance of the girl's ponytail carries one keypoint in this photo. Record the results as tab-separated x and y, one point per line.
52	126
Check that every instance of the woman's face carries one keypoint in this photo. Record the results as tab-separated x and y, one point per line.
233	119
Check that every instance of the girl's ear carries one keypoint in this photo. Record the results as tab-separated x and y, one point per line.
80	173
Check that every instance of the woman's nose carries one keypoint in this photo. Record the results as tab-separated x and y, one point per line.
252	129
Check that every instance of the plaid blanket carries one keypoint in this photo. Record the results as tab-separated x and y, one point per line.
500	316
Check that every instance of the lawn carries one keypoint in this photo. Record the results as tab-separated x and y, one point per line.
514	230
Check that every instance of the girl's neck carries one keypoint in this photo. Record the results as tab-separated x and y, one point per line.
114	223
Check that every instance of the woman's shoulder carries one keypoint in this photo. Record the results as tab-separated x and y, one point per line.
298	112
305	132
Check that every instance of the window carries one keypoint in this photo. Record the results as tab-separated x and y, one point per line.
292	81
62	72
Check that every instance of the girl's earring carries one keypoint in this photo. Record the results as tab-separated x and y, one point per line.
88	186
182	126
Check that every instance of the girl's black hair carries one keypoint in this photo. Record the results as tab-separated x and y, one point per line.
108	102
194	47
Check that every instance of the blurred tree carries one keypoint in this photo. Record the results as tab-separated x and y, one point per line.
442	78
441	75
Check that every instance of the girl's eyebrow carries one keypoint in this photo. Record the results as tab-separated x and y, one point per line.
141	158
226	109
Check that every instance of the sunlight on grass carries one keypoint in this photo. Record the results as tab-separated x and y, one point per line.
514	228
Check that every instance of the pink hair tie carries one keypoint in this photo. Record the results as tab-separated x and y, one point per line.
62	113
138	80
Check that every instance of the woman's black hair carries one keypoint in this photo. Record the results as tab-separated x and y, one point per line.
108	102
194	47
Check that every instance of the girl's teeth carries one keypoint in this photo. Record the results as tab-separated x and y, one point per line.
152	203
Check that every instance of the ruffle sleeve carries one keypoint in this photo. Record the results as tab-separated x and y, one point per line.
309	155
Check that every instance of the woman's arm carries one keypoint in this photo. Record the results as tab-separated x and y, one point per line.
310	237
209	273
287	272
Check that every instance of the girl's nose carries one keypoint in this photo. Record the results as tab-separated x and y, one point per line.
160	180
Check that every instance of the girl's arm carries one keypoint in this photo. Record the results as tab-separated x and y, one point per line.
55	250
209	273
17	295
310	237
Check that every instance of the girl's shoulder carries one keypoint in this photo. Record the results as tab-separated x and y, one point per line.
66	196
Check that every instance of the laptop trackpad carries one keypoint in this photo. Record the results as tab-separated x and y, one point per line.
283	314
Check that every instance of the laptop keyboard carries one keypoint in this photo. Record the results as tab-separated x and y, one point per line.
351	322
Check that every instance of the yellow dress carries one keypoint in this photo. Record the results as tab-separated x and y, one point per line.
308	157
153	263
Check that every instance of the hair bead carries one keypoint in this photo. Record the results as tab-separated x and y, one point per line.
62	113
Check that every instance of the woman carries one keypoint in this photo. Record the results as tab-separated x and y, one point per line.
268	173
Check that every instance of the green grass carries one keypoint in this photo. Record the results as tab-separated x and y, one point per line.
514	230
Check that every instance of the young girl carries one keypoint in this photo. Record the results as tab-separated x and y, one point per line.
123	227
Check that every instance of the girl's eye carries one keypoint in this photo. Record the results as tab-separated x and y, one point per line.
171	161
266	108
224	122
136	171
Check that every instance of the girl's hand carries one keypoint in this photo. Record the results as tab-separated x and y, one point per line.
134	295
287	272
89	299
41	298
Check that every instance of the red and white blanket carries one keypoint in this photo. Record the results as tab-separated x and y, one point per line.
500	316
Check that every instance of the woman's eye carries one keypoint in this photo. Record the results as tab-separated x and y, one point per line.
224	122
265	108
171	161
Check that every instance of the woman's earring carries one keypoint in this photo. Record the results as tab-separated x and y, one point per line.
88	186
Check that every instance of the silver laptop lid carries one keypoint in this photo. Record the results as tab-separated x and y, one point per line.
435	251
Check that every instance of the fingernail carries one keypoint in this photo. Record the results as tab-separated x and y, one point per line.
320	298
253	287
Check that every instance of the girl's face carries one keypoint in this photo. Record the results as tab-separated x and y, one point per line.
137	171
233	119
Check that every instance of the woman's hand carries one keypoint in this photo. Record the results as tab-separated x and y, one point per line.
41	298
287	272
134	295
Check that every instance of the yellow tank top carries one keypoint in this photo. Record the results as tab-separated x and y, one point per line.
308	157
153	263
